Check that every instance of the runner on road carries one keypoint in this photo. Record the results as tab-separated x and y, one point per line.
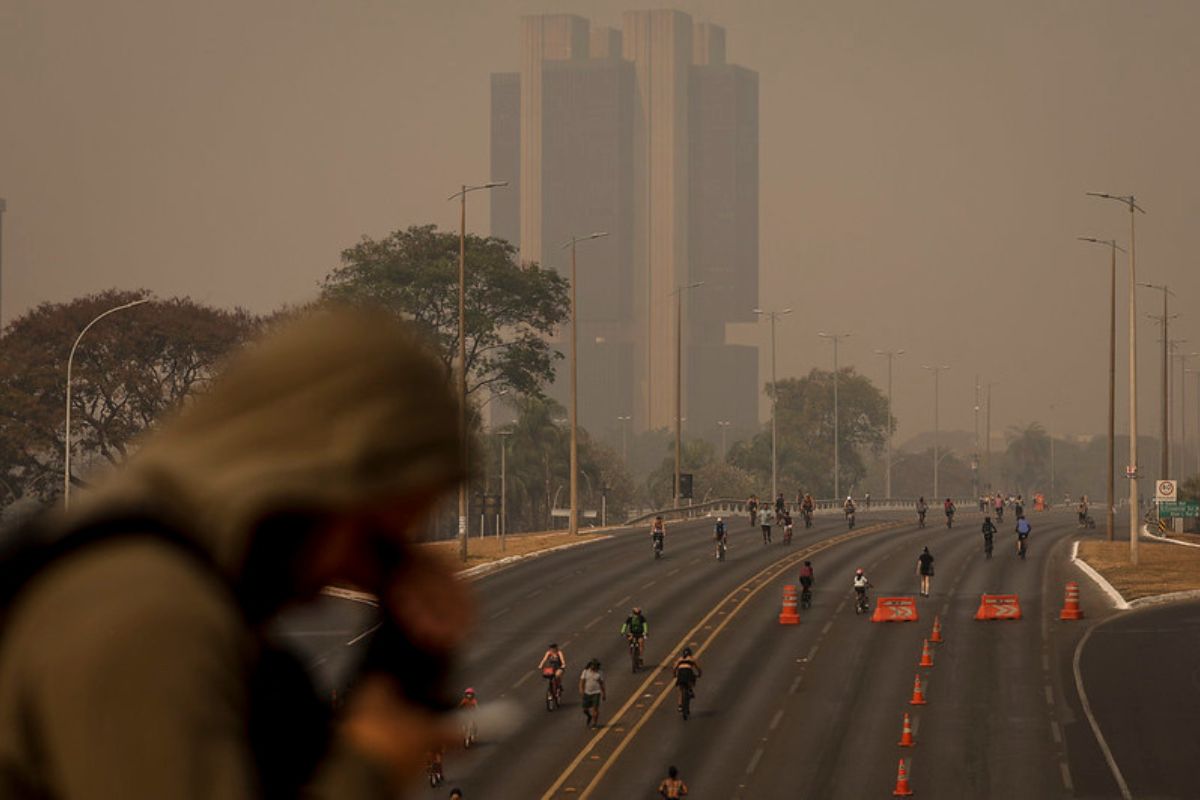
925	570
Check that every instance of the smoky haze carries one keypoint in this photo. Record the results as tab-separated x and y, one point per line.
922	168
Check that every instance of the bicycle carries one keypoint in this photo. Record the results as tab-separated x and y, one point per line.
1021	548
635	652
553	689
805	597
658	547
433	771
920	519
470	734
721	547
808	514
987	548
950	519
862	603
787	533
686	694
850	520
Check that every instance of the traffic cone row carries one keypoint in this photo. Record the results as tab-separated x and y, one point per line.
902	789
937	631
926	656
906	733
918	699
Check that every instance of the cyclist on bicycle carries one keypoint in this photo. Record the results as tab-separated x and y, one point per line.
636	628
949	508
807	507
1023	531
786	520
849	506
861	584
989	530
720	536
922	509
1083	511
1019	506
687	672
468	702
658	533
752	507
672	787
554	662
780	505
806	581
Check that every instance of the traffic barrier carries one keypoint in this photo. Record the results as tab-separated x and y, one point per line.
936	637
918	698
902	789
1071	609
895	609
926	656
789	615
998	606
906	734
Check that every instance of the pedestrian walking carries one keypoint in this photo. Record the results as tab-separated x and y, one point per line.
925	570
765	519
591	688
672	787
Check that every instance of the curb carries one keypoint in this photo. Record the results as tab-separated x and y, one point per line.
1165	539
508	561
1118	601
1162	599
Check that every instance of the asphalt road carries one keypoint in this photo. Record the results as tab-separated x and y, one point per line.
813	710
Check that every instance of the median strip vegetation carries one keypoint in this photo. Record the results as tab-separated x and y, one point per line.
1162	568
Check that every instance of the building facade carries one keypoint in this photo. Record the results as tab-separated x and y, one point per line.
648	134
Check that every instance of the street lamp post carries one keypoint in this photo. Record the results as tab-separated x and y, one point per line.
837	478
1183	440
503	487
891	356
67	427
1051	432
625	420
723	424
773	316
1131	468
937	372
573	520
678	293
987	438
1195	372
461	194
1113	247
3	208
1164	320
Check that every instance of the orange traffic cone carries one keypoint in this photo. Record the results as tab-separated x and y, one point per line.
937	630
918	698
906	734
1071	609
789	615
902	789
926	656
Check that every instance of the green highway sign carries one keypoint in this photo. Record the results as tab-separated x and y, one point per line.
1185	508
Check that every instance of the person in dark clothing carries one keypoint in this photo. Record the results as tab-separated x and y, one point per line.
925	570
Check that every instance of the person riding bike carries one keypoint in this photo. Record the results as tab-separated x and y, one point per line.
554	663
658	533
807	578
721	537
1023	531
786	519
1019	506
780	505
849	508
807	507
998	506
1083	512
861	584
687	672
752	507
922	509
468	704
672	786
949	508
636	628
989	530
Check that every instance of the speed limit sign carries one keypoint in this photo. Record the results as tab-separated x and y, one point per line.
1164	490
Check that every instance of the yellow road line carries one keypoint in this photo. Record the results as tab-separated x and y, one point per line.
764	576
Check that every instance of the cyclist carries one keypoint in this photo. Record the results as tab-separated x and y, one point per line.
636	629
1019	507
687	672
721	537
672	786
1023	531
807	507
989	530
848	507
922	509
806	583
949	508
1083	512
468	704
925	570
998	505
780	505
752	507
554	660
765	521
861	584
786	519
658	533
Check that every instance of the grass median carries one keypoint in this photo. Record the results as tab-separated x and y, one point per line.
484	550
1162	568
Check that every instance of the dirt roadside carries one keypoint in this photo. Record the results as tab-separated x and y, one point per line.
1162	567
488	549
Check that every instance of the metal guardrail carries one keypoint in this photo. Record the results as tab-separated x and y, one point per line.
732	506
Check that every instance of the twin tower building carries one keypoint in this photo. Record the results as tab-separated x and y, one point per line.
646	133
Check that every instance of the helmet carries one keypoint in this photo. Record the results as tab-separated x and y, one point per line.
858	571
553	646
469	692
719	519
637	609
687	651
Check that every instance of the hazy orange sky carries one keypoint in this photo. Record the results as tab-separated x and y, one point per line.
923	166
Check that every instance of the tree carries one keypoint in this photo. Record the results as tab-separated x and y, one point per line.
1027	458
511	309
694	455
805	433
127	372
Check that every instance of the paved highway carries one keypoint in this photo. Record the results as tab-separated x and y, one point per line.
812	710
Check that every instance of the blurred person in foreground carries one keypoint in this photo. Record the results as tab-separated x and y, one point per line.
134	661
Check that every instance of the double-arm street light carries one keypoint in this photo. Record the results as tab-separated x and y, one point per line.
937	372
461	194
67	427
1182	459
1132	467
837	478
1113	247
773	316
678	294
890	355
573	523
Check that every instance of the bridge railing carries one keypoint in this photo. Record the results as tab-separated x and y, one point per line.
729	505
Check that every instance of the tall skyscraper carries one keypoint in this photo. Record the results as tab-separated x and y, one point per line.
648	134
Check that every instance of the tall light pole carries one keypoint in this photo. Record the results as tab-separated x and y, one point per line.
678	293
1110	500
67	427
891	356
461	194
1183	440
773	316
1051	432
975	455
503	486
3	208
625	421
573	520
1132	468
937	372
1165	321
1195	372
837	478
723	424
987	436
